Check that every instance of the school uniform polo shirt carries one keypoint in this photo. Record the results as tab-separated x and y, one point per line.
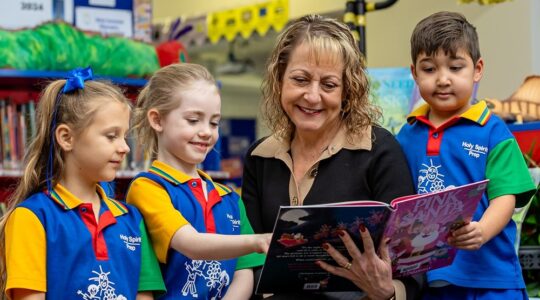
170	199
55	245
471	147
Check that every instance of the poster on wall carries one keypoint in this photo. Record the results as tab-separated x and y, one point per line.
17	14
391	90
109	17
142	19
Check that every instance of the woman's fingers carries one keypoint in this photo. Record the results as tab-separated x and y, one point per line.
335	270
341	260
383	251
369	249
353	250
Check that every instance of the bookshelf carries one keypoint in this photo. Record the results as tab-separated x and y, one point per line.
19	92
22	85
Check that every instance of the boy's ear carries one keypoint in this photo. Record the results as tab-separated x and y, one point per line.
154	118
64	137
478	70
413	71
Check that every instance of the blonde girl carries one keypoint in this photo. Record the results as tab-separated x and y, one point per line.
62	237
177	119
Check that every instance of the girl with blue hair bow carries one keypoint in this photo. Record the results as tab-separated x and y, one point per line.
62	237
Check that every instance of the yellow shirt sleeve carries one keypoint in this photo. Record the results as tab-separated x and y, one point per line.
160	216
26	252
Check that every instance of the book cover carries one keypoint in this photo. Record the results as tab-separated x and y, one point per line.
418	226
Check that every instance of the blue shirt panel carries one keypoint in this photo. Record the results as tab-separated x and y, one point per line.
73	271
463	159
201	279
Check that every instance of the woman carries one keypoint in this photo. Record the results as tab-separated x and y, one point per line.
325	145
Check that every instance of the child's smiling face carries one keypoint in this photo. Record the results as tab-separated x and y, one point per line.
446	82
190	131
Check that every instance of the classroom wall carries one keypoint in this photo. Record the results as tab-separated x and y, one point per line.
509	40
508	34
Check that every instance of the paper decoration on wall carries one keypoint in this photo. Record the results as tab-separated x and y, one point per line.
46	47
197	36
142	20
245	20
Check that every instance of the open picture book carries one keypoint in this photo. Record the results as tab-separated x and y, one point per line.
418	227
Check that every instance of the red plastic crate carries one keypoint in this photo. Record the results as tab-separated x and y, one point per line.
528	138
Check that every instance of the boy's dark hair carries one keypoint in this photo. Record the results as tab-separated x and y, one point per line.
447	31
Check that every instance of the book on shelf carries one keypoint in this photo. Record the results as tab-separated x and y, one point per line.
17	127
32	118
417	226
6	146
13	128
21	131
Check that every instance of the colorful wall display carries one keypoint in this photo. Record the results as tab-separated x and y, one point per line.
392	90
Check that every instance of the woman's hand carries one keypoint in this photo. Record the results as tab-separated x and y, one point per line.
371	273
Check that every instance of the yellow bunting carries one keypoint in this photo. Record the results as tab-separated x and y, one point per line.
247	19
264	18
232	19
214	27
249	16
280	14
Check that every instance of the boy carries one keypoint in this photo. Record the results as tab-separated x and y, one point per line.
450	142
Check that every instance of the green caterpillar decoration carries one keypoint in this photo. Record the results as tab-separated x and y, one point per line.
58	46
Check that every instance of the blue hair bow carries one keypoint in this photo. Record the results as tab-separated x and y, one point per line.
76	79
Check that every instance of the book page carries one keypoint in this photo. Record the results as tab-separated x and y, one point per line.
358	203
419	227
297	241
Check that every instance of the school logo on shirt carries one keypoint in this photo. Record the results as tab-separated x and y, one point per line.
131	241
208	270
235	222
101	288
431	179
474	150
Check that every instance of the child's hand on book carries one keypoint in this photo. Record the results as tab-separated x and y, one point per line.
262	242
467	237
